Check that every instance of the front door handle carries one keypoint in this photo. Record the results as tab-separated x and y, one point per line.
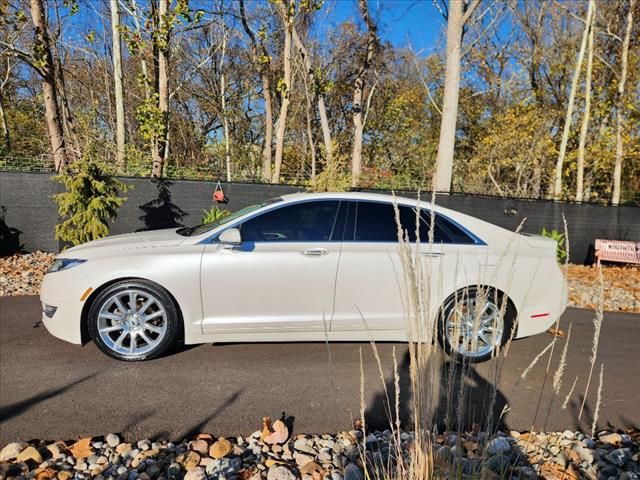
315	252
432	254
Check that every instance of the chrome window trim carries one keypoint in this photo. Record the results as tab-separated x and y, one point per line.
477	241
269	208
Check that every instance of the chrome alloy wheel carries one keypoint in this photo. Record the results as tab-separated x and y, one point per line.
474	327
132	322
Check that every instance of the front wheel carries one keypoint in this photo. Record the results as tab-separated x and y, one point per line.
474	323
133	321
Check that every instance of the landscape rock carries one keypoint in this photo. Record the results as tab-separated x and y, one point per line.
619	456
29	454
113	440
612	438
280	472
200	446
197	473
221	448
302	458
498	445
11	451
353	472
475	454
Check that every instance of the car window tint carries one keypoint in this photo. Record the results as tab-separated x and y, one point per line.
439	235
375	222
341	222
307	221
453	232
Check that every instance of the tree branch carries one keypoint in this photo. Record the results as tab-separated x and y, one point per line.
24	56
472	7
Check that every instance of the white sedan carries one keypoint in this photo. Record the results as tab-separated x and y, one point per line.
306	267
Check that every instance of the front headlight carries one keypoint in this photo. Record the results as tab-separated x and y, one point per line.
63	264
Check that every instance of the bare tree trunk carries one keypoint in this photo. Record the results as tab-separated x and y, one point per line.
268	128
457	17
286	95
143	63
358	92
117	80
557	189
52	111
68	126
308	111
587	109
317	92
159	152
624	60
223	95
261	63
6	138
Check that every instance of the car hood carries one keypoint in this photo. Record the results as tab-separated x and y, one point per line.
128	241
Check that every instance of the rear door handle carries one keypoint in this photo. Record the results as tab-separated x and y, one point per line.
315	252
432	254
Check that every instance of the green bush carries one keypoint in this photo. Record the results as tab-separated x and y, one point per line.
214	214
90	201
561	252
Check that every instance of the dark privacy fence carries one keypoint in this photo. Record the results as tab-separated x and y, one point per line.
30	215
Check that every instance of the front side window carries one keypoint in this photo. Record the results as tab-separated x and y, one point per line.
300	222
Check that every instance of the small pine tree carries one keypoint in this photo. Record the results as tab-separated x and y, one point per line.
91	200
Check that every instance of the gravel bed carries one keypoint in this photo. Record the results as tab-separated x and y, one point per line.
22	275
345	456
621	288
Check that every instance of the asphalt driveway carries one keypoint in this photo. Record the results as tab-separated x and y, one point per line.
50	389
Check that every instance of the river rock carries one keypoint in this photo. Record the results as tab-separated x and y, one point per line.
353	472
221	448
189	460
11	451
280	472
113	440
612	438
200	446
618	457
498	445
302	458
29	454
196	473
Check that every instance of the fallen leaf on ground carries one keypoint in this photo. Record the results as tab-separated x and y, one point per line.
556	332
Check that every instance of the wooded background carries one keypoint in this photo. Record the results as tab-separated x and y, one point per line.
534	99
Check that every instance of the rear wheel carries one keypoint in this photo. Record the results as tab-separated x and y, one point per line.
134	320
474	324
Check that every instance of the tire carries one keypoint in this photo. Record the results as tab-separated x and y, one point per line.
147	331
464	328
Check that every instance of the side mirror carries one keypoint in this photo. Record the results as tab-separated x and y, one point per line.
230	236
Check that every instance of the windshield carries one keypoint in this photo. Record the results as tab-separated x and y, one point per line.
207	227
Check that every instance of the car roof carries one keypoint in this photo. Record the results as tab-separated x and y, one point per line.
380	197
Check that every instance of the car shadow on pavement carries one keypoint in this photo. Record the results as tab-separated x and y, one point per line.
14	409
463	398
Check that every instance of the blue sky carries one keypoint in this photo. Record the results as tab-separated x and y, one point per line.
399	21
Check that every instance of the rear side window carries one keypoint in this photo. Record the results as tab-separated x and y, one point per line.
301	222
376	222
452	232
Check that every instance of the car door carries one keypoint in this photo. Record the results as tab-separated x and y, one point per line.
281	277
371	289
